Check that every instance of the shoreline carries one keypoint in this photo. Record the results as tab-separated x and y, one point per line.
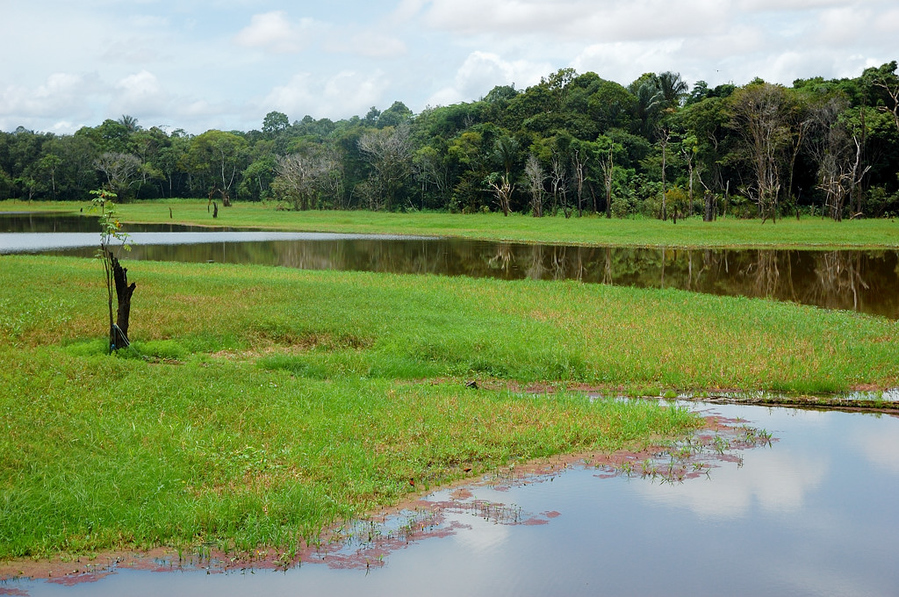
73	569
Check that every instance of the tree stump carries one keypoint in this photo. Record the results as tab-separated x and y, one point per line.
118	335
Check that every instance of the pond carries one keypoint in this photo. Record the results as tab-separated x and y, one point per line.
864	281
810	513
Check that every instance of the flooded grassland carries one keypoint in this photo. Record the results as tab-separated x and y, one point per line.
260	405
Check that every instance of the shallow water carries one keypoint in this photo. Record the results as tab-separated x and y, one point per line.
864	281
813	514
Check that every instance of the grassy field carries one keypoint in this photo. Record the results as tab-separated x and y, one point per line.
786	233
261	404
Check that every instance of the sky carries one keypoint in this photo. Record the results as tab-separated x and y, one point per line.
224	64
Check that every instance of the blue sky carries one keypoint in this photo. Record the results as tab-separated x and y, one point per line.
224	64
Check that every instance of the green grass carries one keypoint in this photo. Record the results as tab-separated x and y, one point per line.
693	232
261	404
258	406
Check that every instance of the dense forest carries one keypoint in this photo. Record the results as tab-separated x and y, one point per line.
574	144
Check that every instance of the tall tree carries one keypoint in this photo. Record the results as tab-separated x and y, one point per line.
219	158
301	176
759	118
886	81
505	154
388	152
129	123
672	88
275	123
536	178
121	171
837	149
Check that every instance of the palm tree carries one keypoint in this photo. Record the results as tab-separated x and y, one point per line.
130	123
672	87
648	105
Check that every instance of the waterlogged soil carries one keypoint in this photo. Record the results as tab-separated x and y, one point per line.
886	402
368	543
866	398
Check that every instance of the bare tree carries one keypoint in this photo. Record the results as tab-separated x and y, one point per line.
799	130
579	162
504	153
536	178
607	164
838	151
664	138
502	190
689	148
559	181
121	170
758	117
300	177
710	207
890	84
429	170
331	182
389	153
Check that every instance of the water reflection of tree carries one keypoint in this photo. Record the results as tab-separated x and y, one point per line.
763	274
534	267
840	279
502	258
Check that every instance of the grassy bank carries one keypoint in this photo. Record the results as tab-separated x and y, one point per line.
693	232
261	404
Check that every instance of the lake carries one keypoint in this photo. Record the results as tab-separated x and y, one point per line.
863	281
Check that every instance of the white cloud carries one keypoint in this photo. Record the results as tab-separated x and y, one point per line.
61	92
128	51
587	20
342	95
353	93
406	10
482	71
624	62
140	93
788	5
274	32
887	21
371	44
842	26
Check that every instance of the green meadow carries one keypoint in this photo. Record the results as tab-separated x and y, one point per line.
257	405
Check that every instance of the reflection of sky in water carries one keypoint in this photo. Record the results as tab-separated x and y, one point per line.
880	447
772	481
39	241
812	515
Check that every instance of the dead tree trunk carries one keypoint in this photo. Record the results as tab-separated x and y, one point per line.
118	333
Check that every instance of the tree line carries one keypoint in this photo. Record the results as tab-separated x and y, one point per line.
573	144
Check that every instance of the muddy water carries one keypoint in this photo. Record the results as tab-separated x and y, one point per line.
864	281
812	514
